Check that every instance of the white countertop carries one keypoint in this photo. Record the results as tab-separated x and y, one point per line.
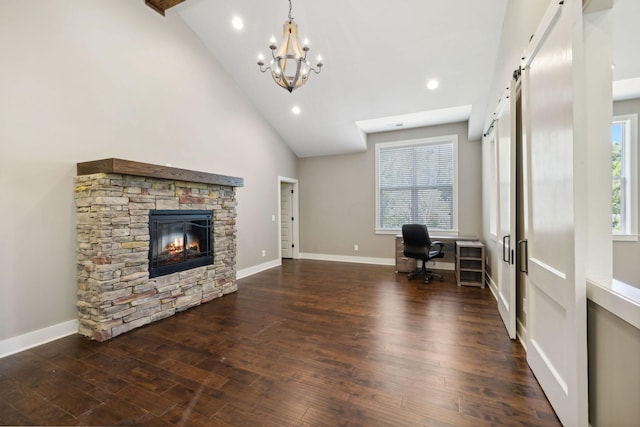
618	297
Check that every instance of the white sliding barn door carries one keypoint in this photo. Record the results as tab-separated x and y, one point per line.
556	309
506	162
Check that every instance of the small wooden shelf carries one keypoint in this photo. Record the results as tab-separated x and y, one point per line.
470	263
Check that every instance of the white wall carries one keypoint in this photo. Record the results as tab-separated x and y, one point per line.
84	80
337	195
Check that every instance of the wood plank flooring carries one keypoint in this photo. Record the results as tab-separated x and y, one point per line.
310	343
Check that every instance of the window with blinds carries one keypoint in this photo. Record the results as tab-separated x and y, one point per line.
416	183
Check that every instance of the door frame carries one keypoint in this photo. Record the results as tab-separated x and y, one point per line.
295	211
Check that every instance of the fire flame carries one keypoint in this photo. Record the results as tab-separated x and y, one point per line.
177	246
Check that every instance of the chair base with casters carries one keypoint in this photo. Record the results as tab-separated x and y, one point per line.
427	274
418	245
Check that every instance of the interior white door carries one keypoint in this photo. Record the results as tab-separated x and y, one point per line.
286	219
506	162
556	307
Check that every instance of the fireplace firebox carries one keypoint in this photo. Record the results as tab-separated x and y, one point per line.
179	240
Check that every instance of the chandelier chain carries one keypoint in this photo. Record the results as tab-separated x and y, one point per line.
290	7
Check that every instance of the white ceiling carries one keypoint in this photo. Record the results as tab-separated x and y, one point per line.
626	36
378	56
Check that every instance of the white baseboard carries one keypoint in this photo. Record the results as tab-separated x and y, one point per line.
346	258
521	330
41	336
492	286
246	272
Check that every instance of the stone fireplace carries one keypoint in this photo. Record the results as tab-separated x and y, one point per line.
126	278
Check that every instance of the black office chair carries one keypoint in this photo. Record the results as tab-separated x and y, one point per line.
418	245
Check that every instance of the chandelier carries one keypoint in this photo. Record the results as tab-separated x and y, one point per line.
289	65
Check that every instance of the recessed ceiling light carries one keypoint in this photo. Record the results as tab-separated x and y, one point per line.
237	23
432	84
295	110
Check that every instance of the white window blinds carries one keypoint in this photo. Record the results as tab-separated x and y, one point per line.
416	184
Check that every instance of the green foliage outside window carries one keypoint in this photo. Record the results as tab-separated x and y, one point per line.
616	170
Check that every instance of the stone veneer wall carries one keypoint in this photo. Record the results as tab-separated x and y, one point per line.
115	293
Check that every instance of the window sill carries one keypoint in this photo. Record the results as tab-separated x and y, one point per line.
625	237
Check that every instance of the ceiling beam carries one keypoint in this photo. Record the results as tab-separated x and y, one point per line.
161	5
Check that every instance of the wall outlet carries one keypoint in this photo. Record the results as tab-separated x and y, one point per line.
273	218
264	253
355	247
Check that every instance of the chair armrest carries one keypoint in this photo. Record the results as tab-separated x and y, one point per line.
439	244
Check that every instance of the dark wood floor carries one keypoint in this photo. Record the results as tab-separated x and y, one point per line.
308	344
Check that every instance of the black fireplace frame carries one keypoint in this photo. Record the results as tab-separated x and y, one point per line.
159	217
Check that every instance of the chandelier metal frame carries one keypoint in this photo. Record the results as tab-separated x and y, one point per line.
290	56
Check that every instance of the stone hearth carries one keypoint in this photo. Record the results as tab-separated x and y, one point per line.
113	200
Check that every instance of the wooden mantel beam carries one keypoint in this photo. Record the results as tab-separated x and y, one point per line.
127	167
161	5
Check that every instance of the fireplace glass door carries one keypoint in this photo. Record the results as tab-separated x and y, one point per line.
180	240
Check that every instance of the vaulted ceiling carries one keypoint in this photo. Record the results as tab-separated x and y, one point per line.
378	56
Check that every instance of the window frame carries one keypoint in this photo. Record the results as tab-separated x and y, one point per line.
445	139
629	175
